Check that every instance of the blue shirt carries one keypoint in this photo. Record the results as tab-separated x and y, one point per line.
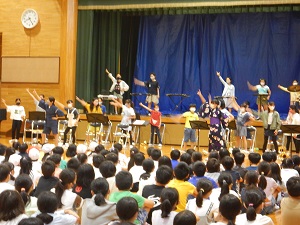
103	108
174	163
51	111
194	180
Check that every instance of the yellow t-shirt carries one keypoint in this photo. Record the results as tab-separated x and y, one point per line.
95	109
189	117
184	189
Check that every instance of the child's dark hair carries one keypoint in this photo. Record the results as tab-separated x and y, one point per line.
239	158
214	154
23	184
99	148
124	180
263	169
100	187
254	157
185	217
213	165
287	163
85	175
58	150
163	175
82	158
4	172
228	162
186	157
230	207
251	179
26	165
164	160
48	168
73	164
181	171
55	158
2	150
223	153
190	151
16	145
31	221
133	151
196	156
224	181
71	151
267	157
155	154
107	169
66	177
169	199
11	205
148	165
293	186
11	167
97	160
8	152
118	146
253	199
138	159
275	172
149	150
47	203
23	148
204	186
112	157
235	150
199	169
296	160
126	208
175	154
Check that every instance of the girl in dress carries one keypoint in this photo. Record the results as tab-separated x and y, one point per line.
228	91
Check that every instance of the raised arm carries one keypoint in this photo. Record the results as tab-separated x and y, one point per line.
110	75
221	79
139	82
36	94
234	104
59	104
283	88
116	103
201	96
82	102
4	102
145	107
32	96
251	87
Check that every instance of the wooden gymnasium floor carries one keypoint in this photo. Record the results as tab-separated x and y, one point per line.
166	149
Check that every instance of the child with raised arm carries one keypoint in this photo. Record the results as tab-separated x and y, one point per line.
155	122
228	91
118	87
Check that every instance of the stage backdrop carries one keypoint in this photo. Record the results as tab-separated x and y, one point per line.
185	51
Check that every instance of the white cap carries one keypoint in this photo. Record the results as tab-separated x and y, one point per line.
47	148
81	148
34	154
93	145
15	159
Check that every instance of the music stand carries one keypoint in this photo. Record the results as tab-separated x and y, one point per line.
95	119
198	125
231	126
139	123
287	128
182	97
36	115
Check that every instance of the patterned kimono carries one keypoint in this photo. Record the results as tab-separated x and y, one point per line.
217	121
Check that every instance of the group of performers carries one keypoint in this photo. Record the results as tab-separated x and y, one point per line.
218	110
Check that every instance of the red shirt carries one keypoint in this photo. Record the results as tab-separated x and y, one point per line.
155	118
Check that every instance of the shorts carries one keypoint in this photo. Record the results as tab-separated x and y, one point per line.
152	98
264	100
47	130
142	216
119	96
240	131
189	134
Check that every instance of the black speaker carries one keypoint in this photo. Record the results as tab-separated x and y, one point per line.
2	114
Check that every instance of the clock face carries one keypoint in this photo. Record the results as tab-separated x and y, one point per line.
29	18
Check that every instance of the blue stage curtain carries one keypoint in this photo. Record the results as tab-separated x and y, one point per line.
185	51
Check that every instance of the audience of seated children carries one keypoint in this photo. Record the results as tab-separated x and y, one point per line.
12	209
228	164
254	159
202	206
128	211
290	206
165	215
98	210
48	211
48	180
124	183
175	155
254	204
184	188
213	169
153	192
108	171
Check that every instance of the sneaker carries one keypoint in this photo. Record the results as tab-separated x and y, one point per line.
150	145
159	145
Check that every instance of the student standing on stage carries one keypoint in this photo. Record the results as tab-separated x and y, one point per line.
271	123
36	100
155	122
189	133
264	93
295	96
73	118
118	87
242	121
153	89
228	91
293	119
217	121
52	115
17	115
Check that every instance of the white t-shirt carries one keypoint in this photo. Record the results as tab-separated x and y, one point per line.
260	220
215	194
287	174
6	186
136	172
112	184
16	112
208	207
271	187
157	220
68	199
127	113
32	206
13	221
59	218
